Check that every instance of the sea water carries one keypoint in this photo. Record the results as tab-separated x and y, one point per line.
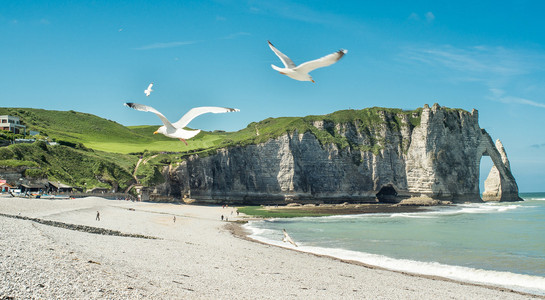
500	244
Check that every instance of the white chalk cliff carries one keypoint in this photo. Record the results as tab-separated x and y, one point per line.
393	159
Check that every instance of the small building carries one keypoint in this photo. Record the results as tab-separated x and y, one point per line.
33	188
12	123
5	188
57	187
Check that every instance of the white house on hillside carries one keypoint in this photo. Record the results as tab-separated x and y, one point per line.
12	123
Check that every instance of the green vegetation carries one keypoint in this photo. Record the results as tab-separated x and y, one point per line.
149	174
9	136
13	163
86	169
258	211
74	128
368	121
96	152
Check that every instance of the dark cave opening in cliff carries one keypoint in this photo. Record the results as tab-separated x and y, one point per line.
387	194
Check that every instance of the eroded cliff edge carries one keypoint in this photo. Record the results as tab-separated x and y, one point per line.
433	152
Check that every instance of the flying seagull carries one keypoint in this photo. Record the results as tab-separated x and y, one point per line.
287	238
301	71
176	130
148	90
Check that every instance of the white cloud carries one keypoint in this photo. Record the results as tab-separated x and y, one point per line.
430	16
501	96
414	16
518	100
165	45
480	61
235	35
500	70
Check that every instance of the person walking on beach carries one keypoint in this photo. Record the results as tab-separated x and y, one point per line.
222	217
174	219
98	216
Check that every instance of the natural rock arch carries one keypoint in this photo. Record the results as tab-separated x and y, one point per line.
500	184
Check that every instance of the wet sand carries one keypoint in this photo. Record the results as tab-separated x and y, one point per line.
194	257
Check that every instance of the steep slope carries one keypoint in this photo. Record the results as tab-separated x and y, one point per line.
383	154
85	169
73	126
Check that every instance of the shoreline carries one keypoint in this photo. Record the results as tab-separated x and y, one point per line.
195	256
238	231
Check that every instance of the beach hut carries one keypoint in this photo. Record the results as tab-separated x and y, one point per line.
33	188
5	188
57	187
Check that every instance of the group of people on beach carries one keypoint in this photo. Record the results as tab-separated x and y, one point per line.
226	218
223	218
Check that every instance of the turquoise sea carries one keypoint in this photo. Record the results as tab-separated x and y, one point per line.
501	244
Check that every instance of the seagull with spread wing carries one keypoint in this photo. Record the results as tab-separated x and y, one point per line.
287	238
301	71
148	90
176	130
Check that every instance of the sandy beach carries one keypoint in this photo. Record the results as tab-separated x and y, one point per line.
195	256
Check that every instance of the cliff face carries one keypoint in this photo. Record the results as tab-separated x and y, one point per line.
388	161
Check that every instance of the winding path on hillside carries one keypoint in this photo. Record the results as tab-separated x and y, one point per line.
143	161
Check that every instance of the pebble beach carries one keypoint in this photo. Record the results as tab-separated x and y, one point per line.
57	249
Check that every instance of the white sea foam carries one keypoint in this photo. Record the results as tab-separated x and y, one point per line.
255	231
518	282
486	208
474	208
414	215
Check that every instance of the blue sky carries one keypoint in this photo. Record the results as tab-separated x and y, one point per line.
92	56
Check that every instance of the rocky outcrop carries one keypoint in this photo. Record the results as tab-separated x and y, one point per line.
388	160
12	175
497	186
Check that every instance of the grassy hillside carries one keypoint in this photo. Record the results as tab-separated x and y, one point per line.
86	169
103	153
108	136
72	126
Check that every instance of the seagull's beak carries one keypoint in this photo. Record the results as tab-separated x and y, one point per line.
312	81
156	132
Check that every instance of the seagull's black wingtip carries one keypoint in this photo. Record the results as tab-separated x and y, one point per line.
128	104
